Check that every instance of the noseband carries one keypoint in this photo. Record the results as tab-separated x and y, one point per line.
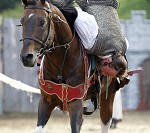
44	44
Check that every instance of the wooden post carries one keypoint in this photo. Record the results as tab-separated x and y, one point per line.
1	68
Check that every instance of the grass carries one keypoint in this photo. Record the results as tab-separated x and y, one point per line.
124	10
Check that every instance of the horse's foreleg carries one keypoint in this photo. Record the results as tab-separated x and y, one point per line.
106	106
75	109
44	111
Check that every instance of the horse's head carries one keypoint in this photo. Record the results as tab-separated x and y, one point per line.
36	27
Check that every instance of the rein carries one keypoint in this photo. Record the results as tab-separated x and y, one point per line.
59	76
66	45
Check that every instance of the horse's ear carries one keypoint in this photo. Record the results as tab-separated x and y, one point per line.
24	2
43	1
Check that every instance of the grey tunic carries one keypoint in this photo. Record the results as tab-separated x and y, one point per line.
110	38
113	3
84	3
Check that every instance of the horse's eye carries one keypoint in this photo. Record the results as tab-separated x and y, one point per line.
42	23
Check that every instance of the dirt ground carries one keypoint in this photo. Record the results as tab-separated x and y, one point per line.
133	122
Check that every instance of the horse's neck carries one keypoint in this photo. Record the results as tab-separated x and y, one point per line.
63	33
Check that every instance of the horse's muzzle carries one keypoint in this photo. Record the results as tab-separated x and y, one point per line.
28	60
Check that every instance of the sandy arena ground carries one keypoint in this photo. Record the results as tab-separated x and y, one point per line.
133	122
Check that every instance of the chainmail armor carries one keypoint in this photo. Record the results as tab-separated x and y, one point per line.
110	38
84	3
113	3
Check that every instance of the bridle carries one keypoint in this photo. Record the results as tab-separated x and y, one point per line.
44	45
45	49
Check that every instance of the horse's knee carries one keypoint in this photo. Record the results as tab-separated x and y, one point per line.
39	129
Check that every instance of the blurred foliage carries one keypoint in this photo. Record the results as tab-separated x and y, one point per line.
15	12
126	6
14	8
5	4
11	8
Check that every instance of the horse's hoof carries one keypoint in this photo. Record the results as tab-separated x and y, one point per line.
113	125
39	129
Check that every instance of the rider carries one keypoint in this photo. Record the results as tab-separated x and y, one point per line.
101	35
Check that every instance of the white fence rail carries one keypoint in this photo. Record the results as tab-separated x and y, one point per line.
18	84
14	100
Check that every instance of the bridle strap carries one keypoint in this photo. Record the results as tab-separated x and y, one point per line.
44	48
38	7
44	44
34	39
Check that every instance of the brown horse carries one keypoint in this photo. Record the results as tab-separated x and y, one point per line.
62	76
